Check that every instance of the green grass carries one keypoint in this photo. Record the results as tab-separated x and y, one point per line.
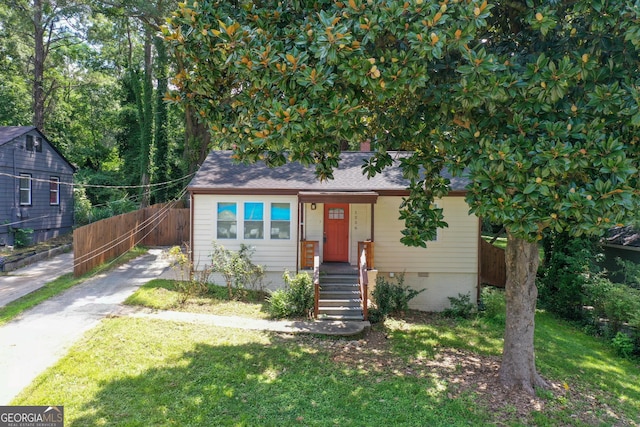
139	372
62	283
601	382
192	375
162	294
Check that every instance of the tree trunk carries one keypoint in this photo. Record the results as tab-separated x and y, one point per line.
38	66
197	140
518	368
161	163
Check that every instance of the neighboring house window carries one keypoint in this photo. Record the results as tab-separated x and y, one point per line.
280	221
25	189
29	145
227	221
54	190
38	144
254	220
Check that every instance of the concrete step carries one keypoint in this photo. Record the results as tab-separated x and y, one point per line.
339	278
339	294
358	318
333	287
340	302
340	311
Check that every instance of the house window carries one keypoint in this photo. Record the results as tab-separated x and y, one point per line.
280	220
254	220
54	190
38	144
336	213
435	239
227	221
29	144
25	189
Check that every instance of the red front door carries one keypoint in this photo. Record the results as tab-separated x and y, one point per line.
336	233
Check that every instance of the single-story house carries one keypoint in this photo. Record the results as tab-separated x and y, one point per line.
35	186
287	213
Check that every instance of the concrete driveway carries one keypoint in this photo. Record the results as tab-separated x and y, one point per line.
40	336
20	282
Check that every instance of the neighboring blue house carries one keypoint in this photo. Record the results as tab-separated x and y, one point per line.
35	186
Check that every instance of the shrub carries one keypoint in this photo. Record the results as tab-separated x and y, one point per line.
391	298
623	345
568	270
85	213
295	300
460	307
630	272
81	207
22	237
615	302
190	284
238	270
494	305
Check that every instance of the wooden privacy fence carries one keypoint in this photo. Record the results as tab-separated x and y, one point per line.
157	225
493	267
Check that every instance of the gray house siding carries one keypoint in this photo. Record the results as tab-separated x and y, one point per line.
47	215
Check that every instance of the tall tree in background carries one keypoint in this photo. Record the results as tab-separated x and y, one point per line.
14	90
48	26
537	103
147	148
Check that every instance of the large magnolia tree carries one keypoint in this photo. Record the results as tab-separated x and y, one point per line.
536	101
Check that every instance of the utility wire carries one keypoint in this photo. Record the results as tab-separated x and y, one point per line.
121	238
10	224
73	184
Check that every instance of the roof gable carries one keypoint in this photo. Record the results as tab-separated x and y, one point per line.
220	172
10	133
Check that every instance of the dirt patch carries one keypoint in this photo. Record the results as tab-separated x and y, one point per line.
462	373
65	239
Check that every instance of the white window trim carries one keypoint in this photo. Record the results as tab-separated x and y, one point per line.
271	220
244	220
29	189
239	222
55	179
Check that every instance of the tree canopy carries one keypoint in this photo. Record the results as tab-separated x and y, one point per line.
535	101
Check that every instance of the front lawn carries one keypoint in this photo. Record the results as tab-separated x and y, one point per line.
163	294
425	370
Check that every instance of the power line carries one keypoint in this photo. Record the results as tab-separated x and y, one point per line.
132	198
122	237
73	184
9	224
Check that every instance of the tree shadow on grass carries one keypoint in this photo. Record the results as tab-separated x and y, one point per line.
276	384
567	351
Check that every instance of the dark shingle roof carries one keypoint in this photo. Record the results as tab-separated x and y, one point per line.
625	236
9	133
220	172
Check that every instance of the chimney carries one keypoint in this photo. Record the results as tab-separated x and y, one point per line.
366	145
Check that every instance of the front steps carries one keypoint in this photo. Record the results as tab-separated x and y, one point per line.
339	297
